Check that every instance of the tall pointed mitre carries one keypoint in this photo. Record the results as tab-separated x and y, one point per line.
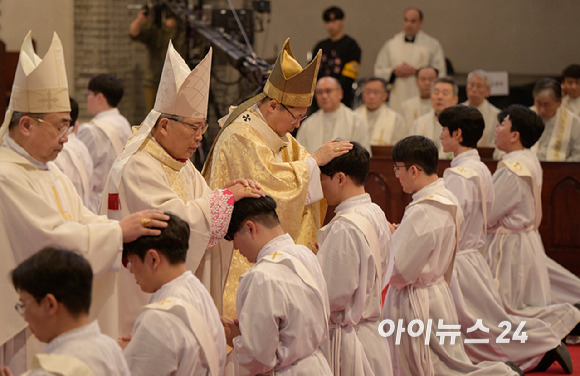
182	92
40	85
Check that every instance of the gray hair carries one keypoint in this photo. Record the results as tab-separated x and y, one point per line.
478	73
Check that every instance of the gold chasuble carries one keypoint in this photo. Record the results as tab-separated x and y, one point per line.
249	148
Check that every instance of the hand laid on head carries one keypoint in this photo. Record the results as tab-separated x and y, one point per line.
124	341
231	329
331	150
145	222
242	188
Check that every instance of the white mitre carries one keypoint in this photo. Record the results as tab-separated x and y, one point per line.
182	92
40	85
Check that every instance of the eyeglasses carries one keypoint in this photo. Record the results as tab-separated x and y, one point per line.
20	307
397	167
196	127
66	129
296	120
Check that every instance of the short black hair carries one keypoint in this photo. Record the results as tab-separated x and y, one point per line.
466	118
355	163
525	121
379	79
173	242
417	150
426	67
549	84
261	210
572	70
66	275
332	13
74	111
110	86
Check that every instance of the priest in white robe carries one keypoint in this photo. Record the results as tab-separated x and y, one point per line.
571	88
282	300
474	291
332	121
423	250
560	140
443	95
384	126
179	332
478	90
353	254
154	171
514	248
401	56
54	287
40	206
420	104
107	132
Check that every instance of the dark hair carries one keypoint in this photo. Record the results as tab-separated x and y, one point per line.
466	118
379	79
417	150
110	86
418	11
548	84
572	70
525	121
447	80
426	67
64	274
173	242
74	111
332	13
355	163
261	210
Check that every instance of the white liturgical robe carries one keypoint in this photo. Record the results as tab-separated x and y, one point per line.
415	107
105	136
428	126
162	344
100	353
283	319
76	163
423	249
354	287
573	104
154	180
560	140
425	50
321	127
515	252
489	113
384	126
40	207
474	291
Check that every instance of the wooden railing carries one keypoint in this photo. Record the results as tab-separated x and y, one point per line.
560	227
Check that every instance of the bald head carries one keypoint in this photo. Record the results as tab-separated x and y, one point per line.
412	21
328	94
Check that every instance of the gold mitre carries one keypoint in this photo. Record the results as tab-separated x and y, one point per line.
182	91
40	85
289	83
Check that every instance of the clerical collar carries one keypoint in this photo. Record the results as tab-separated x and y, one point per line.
8	142
410	39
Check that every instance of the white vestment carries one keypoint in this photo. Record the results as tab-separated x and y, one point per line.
515	252
573	104
415	107
354	287
40	207
152	179
473	288
99	352
423	248
283	319
105	136
163	344
560	140
428	126
489	113
76	163
384	126
321	127
425	50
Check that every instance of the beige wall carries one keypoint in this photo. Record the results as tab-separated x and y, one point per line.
43	17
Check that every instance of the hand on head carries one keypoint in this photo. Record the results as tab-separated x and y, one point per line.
242	188
331	150
145	222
